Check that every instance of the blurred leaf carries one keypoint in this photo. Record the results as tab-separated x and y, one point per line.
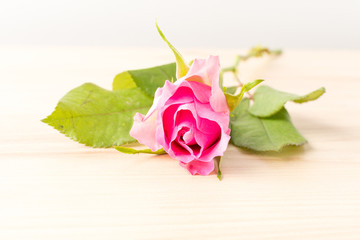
231	90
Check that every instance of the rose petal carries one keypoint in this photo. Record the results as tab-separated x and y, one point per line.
198	72
166	123
217	149
183	118
144	131
201	91
161	96
203	114
206	139
189	137
187	91
183	94
222	118
144	127
217	100
192	118
208	131
199	167
179	152
208	72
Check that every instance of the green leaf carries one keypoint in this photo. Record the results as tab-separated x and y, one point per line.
268	101
148	79
134	151
310	96
123	80
97	117
234	100
263	134
182	67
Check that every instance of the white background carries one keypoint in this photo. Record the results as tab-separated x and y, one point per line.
187	23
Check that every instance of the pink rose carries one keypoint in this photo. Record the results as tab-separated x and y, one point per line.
189	119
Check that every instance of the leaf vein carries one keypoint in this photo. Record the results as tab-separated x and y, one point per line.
266	131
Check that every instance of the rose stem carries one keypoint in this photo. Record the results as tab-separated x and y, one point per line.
253	52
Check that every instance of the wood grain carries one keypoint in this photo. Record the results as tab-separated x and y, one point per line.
54	188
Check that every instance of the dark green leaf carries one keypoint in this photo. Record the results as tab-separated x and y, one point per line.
268	101
263	134
134	151
97	117
148	79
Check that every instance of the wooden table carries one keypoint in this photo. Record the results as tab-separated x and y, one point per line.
54	188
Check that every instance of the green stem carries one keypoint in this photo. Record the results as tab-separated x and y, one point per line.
253	52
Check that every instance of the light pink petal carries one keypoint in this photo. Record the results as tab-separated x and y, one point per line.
199	167
144	127
189	137
161	96
217	100
198	72
144	131
208	72
201	91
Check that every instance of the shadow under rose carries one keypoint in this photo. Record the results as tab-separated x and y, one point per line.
290	152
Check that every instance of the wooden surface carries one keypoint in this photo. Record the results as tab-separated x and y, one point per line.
54	188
